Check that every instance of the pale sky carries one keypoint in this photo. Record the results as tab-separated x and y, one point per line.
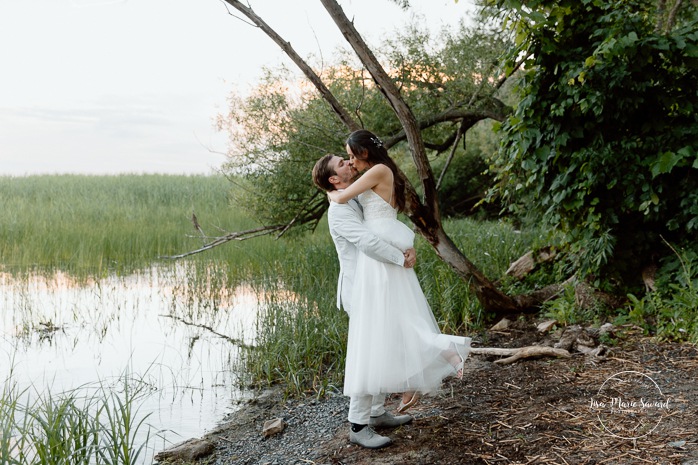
133	86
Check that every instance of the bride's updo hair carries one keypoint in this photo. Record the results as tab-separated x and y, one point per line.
367	147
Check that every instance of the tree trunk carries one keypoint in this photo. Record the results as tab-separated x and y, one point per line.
492	299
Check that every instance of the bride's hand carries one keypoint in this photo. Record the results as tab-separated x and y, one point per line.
333	195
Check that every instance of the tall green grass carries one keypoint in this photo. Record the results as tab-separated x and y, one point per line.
99	224
77	427
491	246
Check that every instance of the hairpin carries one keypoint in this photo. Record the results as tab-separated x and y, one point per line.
377	141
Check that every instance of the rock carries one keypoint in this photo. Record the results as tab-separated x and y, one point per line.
189	450
605	329
272	427
582	340
545	326
569	338
501	326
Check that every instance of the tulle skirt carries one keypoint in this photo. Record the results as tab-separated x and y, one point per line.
394	343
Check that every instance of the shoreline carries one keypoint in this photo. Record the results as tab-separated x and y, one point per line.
308	424
531	411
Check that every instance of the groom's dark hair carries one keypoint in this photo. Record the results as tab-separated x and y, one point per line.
322	172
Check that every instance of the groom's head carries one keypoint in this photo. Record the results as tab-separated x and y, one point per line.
332	172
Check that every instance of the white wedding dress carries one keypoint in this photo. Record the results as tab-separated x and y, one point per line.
394	343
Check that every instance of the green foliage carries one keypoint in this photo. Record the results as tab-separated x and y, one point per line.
121	424
69	428
272	150
604	144
565	309
670	312
62	431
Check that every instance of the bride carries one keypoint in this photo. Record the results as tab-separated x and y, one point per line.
394	343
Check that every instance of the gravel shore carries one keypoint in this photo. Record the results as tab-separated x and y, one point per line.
308	423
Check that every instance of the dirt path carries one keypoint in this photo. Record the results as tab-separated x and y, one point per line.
531	412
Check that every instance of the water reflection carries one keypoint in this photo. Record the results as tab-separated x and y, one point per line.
160	326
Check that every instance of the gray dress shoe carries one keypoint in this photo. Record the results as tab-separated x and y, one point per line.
388	420
368	438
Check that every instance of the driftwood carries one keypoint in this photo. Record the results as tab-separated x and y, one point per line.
519	353
237	342
573	338
188	451
527	263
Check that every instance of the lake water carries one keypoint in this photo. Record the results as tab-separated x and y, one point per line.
58	335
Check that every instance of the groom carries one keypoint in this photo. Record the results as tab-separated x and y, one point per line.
351	236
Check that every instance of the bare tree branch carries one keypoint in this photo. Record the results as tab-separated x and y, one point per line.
520	352
197	226
661	6
315	213
302	65
440	147
672	17
518	65
469	118
234	236
459	134
238	342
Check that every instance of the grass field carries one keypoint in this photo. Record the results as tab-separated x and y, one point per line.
98	224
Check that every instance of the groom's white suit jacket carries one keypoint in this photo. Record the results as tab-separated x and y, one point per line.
350	235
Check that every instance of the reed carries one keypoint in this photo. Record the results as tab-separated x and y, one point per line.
58	430
78	427
101	224
118	416
9	443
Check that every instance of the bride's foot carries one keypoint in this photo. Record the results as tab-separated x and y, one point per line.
409	399
458	362
459	369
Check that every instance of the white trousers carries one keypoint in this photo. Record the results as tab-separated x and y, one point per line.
361	408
